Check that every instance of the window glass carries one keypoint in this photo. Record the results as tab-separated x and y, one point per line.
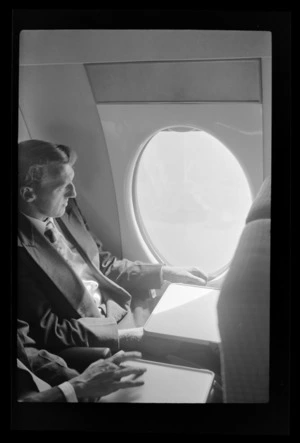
192	198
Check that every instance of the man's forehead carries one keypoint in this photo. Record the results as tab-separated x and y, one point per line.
59	172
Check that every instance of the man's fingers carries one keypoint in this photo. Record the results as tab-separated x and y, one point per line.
103	365
123	356
199	273
129	371
196	281
116	358
106	375
128	384
131	355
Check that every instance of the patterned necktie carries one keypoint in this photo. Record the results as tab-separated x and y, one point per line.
50	232
57	239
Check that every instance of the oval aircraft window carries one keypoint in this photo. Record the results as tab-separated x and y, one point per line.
191	199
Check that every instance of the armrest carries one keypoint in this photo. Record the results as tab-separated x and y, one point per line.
80	358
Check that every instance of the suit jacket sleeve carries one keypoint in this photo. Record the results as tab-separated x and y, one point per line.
27	390
49	396
134	276
56	332
49	367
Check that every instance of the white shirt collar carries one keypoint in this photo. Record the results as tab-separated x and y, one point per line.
39	224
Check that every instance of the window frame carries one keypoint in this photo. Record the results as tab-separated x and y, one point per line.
139	220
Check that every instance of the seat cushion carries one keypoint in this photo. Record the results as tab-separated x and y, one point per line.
243	316
261	207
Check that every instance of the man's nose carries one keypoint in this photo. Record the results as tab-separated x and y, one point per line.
72	191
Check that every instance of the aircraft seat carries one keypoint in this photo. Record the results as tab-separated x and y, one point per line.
244	308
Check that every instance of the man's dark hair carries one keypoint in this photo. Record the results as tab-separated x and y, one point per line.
34	157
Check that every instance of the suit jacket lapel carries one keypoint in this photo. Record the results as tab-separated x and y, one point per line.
56	268
77	234
74	232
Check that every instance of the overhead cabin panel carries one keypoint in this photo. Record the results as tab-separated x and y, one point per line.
194	81
128	45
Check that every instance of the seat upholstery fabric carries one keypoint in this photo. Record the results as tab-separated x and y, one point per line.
244	310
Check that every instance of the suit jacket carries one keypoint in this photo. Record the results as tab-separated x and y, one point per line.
45	365
43	368
53	300
32	389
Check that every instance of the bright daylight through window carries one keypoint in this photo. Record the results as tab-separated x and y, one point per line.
192	198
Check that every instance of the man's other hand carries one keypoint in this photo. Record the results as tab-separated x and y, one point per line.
136	339
189	275
105	376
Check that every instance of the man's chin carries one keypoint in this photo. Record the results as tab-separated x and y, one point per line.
63	212
59	213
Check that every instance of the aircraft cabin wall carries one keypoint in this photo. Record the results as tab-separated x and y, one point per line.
109	93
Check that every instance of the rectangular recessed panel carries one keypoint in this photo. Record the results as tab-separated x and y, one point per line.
165	383
188	313
222	80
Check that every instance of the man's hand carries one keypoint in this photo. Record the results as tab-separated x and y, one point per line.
136	339
190	275
104	376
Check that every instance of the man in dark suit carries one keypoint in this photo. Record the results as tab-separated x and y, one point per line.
45	377
71	292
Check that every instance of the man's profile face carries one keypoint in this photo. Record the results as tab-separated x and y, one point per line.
55	190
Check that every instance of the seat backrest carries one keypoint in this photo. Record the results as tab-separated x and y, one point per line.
261	207
244	309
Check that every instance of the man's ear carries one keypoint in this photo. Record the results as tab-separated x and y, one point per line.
27	194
